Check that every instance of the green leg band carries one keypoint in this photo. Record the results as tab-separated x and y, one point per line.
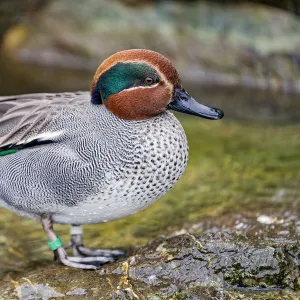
53	245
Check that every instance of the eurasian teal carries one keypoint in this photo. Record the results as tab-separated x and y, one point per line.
80	158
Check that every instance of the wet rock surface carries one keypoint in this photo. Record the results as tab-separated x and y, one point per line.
262	257
245	258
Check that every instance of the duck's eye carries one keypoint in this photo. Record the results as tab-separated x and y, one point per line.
149	81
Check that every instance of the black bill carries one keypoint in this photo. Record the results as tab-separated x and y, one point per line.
186	104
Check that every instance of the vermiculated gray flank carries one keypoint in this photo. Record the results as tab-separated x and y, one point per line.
98	168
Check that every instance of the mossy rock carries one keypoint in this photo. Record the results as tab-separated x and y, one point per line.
227	263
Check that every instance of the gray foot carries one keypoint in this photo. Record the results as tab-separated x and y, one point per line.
80	251
100	252
93	262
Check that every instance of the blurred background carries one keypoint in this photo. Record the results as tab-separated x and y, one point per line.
50	46
241	56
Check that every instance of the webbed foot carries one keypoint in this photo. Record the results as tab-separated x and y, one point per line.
84	258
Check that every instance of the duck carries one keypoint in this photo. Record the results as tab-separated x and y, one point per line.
99	155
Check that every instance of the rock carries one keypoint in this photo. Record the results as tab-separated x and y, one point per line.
250	262
221	259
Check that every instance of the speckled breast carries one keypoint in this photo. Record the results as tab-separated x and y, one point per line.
156	158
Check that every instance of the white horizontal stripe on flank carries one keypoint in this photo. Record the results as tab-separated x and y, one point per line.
43	136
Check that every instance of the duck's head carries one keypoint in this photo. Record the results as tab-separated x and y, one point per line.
139	84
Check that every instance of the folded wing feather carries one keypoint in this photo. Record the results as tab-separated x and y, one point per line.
23	116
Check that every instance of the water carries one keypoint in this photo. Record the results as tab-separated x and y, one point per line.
247	164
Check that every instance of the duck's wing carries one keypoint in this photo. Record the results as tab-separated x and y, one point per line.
26	115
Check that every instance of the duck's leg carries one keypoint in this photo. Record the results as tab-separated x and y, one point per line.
80	251
60	253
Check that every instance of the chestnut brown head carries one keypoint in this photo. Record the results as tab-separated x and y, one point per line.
139	84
